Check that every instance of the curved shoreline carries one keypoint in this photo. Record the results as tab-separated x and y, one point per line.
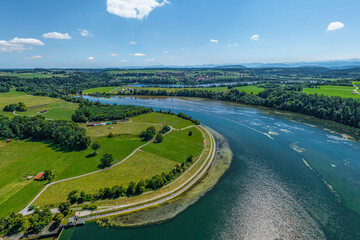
172	193
165	211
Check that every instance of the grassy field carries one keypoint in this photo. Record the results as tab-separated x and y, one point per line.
102	90
340	91
141	166
126	128
20	159
30	75
151	160
23	158
178	145
57	108
162	118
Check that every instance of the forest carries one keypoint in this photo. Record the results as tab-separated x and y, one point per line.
66	134
105	112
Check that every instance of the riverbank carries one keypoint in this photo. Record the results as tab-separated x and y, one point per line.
172	208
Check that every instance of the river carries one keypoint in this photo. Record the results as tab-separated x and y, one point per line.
288	180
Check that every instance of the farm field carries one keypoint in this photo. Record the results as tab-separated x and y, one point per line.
339	91
163	118
140	166
114	89
24	158
179	145
30	75
149	161
57	108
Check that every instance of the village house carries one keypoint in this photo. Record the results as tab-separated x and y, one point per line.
39	176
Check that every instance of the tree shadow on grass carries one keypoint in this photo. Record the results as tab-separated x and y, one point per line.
54	146
91	155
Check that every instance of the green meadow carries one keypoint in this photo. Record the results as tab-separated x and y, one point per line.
30	75
162	118
102	90
338	91
23	158
152	159
140	166
179	145
57	108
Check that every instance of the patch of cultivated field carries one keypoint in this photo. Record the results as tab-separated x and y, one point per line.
140	166
113	89
339	91
161	118
22	158
30	75
57	108
151	160
179	145
126	128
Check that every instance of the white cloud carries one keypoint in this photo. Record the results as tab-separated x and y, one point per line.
19	44
34	57
123	60
138	55
333	26
57	35
150	60
91	59
113	54
255	37
133	8
214	40
233	45
85	33
132	43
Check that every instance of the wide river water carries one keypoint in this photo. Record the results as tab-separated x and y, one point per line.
288	180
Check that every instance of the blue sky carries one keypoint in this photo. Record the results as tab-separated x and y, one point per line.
118	33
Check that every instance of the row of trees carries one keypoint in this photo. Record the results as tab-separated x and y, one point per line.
66	134
105	112
181	115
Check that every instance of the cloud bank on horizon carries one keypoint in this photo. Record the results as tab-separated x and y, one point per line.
134	8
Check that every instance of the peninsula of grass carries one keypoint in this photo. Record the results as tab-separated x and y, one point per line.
150	160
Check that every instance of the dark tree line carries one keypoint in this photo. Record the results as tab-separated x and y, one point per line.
105	112
337	109
66	134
